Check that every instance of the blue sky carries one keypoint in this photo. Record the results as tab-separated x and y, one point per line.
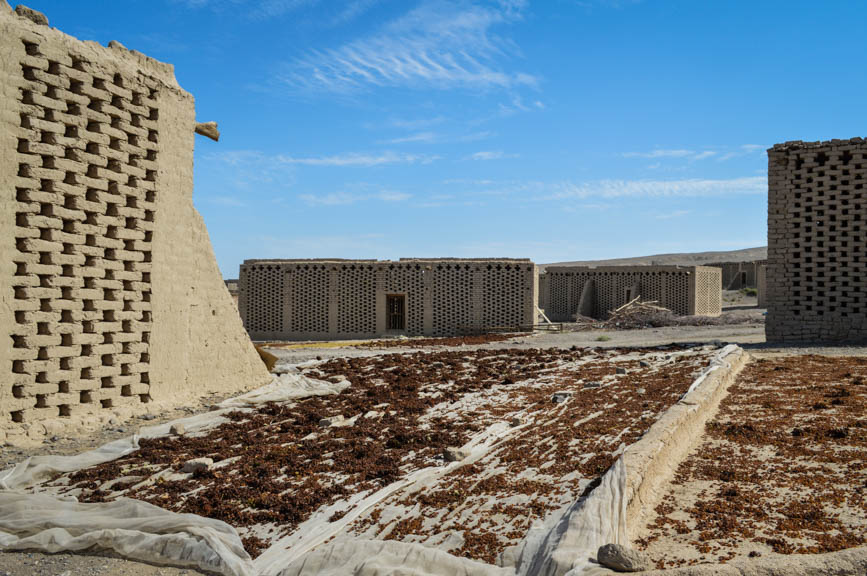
556	130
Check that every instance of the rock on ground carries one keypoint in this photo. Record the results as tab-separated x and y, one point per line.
622	559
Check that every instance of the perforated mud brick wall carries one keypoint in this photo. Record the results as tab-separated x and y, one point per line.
683	290
327	299
85	164
265	289
817	242
708	300
452	296
85	193
501	293
356	292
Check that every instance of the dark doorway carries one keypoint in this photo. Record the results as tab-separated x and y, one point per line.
395	312
743	279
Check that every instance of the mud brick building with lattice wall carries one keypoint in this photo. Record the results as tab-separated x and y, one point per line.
326	299
110	295
817	241
593	292
738	275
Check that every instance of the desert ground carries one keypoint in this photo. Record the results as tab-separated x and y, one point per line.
510	396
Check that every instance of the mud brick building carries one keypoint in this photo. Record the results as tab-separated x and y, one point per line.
232	287
817	242
593	292
110	295
328	299
738	275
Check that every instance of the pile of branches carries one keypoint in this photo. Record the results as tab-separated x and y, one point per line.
638	314
634	314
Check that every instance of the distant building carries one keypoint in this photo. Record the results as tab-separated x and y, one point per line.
335	299
233	287
739	275
567	291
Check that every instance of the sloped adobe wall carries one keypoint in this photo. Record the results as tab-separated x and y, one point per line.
109	291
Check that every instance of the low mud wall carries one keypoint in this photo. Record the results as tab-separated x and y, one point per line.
652	461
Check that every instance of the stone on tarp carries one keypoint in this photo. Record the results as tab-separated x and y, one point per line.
197	464
622	558
331	420
455	454
177	429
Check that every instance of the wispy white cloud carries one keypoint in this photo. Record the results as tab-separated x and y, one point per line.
359	159
516	104
691	187
670	215
754	147
704	155
476	136
353	10
345	198
257	9
416	123
542	191
417	137
490	155
658	153
247	170
722	154
231	201
438	44
616	4
743	150
439	137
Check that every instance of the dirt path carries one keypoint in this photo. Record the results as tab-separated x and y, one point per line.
37	564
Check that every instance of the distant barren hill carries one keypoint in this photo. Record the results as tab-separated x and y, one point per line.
684	259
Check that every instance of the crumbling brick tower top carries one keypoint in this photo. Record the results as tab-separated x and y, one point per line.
817	241
111	301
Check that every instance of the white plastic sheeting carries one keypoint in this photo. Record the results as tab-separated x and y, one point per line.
283	388
715	364
140	531
132	528
571	545
358	557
